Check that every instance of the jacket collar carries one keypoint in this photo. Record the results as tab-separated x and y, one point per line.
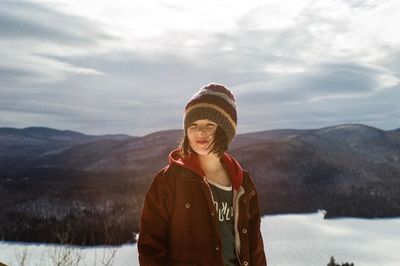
192	163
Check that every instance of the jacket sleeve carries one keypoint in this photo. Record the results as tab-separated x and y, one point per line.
154	222
257	253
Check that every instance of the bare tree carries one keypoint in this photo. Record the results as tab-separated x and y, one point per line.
65	254
21	256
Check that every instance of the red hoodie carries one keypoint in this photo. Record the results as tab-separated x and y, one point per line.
192	162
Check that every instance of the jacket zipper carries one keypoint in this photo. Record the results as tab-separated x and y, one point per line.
236	197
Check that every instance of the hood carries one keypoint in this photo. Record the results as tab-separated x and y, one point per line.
192	163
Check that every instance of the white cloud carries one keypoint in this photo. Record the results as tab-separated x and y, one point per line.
298	58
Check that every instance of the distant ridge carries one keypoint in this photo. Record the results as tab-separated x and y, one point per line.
43	132
46	132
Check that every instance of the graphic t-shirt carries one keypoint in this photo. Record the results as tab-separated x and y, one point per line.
224	209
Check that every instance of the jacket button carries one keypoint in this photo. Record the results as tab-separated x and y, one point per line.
217	248
245	263
244	230
212	214
187	205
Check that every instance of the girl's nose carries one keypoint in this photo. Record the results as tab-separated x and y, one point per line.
201	129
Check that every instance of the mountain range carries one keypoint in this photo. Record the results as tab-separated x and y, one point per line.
94	185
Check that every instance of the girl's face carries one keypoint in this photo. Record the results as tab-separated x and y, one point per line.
201	134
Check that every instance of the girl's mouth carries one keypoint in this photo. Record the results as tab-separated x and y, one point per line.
201	142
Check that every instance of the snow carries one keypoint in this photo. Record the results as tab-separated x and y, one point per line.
290	240
307	240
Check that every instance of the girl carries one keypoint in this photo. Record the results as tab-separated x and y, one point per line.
202	209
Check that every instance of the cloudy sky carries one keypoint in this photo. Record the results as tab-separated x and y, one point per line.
105	67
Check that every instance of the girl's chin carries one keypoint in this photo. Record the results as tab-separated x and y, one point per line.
201	150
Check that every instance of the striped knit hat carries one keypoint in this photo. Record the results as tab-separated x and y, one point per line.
216	103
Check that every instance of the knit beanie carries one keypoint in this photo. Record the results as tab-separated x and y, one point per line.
216	103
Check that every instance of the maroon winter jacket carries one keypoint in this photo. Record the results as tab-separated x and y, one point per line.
179	224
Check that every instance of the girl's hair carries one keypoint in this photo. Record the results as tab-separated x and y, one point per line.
219	144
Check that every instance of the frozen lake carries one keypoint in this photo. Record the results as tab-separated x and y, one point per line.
290	240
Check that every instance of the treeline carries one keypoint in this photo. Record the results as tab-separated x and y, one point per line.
93	229
333	263
91	208
368	201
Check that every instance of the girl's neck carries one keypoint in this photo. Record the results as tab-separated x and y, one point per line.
210	162
214	169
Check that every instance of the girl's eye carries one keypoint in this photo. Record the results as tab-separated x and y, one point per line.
195	127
